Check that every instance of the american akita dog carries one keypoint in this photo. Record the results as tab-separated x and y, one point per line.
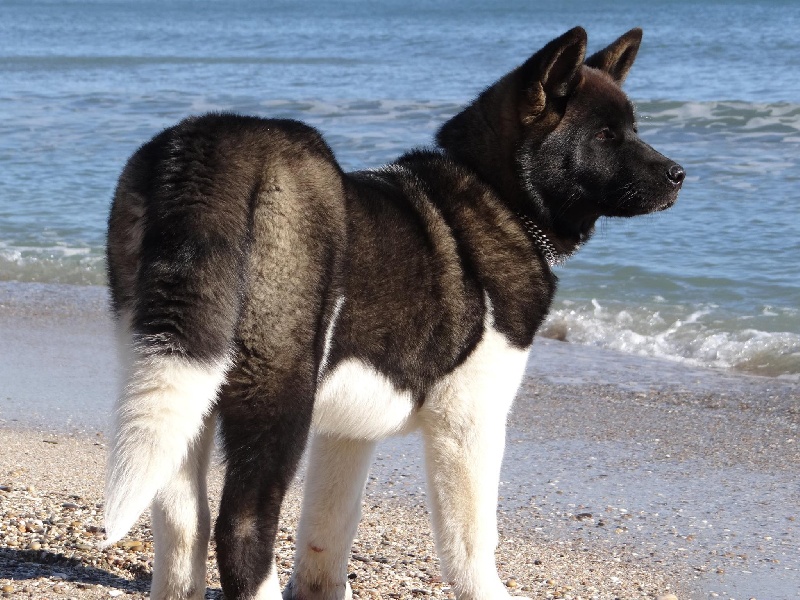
254	281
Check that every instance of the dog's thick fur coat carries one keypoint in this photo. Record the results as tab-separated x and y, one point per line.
256	284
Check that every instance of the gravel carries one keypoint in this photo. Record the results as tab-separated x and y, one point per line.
51	523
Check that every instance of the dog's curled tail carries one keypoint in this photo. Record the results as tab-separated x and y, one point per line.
177	244
159	416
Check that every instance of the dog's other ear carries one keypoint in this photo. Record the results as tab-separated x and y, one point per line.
552	73
617	59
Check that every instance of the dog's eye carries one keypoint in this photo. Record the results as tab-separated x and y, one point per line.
604	134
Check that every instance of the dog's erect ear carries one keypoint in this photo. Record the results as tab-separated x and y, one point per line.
553	72
617	59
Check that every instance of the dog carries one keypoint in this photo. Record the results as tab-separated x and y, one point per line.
257	285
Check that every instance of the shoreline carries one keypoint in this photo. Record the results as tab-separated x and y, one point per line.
69	326
624	477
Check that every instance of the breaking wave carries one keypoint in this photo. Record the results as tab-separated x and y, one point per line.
58	264
699	335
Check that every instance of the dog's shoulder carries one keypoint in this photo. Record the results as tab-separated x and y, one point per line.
492	243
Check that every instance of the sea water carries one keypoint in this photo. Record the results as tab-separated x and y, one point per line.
714	281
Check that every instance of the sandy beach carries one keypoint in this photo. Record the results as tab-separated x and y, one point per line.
624	477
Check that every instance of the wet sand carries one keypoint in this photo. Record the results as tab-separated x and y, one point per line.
624	477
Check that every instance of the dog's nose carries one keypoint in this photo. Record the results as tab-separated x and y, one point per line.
676	174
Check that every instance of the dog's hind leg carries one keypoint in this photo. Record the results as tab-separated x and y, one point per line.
463	424
182	526
332	496
297	229
264	430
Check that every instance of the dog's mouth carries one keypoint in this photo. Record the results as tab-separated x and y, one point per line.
646	206
653	208
665	205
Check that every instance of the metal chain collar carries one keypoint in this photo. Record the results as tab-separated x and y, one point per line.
541	241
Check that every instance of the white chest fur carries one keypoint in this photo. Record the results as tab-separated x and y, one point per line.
356	400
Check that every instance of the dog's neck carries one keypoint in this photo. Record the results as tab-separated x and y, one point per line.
543	243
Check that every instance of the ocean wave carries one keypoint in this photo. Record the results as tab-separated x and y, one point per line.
664	118
59	264
400	122
760	344
367	132
81	62
730	118
698	336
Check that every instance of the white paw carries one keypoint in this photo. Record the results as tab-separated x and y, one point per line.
291	593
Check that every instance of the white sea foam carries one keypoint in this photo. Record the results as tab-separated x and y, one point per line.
698	336
55	264
780	121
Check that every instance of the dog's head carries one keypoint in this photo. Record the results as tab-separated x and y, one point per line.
557	137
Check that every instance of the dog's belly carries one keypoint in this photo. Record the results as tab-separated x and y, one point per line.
354	400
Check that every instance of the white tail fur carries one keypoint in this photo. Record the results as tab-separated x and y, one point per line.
159	414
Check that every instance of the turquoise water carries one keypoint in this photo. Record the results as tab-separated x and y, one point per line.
715	281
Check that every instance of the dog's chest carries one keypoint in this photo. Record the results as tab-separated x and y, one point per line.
354	399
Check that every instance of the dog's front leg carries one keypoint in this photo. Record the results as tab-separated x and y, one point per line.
337	470
182	526
463	424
